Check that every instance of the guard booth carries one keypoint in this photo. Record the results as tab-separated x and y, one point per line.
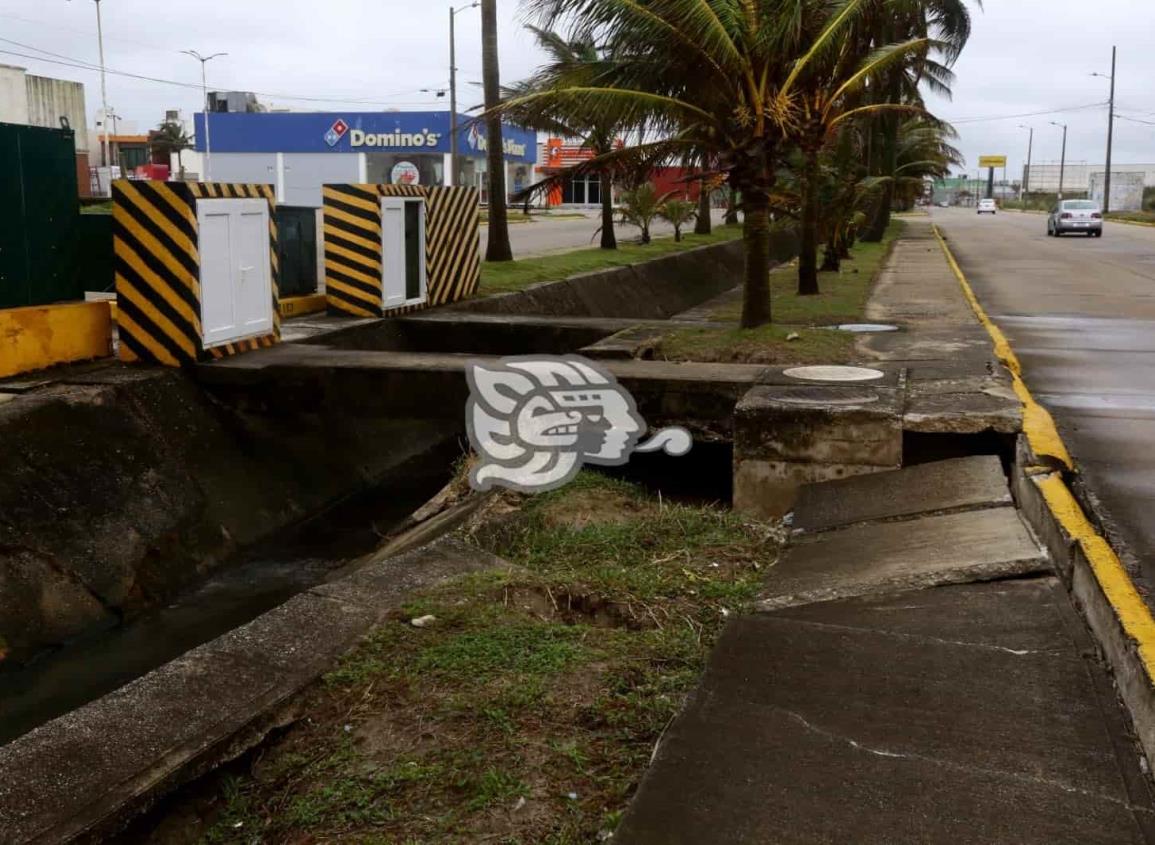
196	270
391	249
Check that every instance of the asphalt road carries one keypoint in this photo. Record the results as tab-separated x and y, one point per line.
544	235
1080	313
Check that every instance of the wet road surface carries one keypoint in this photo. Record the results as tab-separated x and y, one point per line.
1080	313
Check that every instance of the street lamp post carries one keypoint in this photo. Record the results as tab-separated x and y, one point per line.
453	161
204	60
1110	134
1025	187
1063	159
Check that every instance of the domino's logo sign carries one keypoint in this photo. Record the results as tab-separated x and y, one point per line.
336	132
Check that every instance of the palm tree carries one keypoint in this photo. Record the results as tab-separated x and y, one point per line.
498	247
948	24
678	213
169	137
832	89
708	78
573	60
639	207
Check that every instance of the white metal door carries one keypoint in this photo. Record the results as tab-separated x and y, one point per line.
403	251
236	276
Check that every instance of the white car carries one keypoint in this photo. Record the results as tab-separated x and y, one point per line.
988	207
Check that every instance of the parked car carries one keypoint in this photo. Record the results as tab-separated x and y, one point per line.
988	207
1076	216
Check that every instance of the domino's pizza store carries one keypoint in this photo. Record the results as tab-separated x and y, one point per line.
299	152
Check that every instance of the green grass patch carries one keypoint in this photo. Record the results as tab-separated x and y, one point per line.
506	276
1144	217
795	336
528	711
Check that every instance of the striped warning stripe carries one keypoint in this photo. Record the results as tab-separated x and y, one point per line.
452	244
352	225
157	269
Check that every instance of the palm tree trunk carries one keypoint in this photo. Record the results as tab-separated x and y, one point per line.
888	156
831	260
609	238
756	239
702	223
732	208
808	241
498	247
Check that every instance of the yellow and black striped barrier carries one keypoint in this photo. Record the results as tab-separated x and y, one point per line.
158	267
353	248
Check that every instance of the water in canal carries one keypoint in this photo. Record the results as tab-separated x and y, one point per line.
265	577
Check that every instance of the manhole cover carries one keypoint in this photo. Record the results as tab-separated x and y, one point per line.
866	328
819	396
834	373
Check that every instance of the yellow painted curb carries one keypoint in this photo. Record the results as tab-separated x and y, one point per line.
1038	424
295	306
1128	605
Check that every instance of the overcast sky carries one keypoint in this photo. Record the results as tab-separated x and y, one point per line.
1024	56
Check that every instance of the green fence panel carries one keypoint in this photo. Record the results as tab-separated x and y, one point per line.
297	248
94	252
38	232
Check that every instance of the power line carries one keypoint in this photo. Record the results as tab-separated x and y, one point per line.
1135	119
1026	114
81	64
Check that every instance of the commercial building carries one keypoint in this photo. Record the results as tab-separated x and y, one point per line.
299	152
29	100
1044	177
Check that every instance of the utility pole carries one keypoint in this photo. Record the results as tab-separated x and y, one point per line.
1063	159
454	163
204	60
107	156
1025	187
1110	135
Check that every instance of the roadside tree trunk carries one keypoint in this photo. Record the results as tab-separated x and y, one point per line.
756	239
808	234
831	260
732	208
702	225
609	237
498	247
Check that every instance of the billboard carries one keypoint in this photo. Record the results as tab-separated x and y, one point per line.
992	161
1126	190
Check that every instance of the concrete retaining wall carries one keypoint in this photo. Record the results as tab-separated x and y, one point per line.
115	495
654	290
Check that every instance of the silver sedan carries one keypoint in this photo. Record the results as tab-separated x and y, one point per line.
1076	216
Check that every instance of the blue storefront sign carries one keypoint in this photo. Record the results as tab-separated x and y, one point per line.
356	132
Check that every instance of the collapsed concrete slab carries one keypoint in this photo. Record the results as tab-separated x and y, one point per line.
965	714
963	483
924	552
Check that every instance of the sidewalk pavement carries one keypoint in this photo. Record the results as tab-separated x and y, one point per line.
915	672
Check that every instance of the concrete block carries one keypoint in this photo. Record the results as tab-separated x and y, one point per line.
962	483
819	424
789	435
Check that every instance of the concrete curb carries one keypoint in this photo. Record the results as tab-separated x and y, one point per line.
1115	611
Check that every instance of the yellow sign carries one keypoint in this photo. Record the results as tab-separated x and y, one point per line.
992	161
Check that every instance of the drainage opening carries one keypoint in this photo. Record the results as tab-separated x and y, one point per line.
703	475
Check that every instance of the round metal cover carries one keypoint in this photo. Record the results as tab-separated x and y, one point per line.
818	396
834	373
866	328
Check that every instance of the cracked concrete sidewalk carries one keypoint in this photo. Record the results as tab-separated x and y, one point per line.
912	683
